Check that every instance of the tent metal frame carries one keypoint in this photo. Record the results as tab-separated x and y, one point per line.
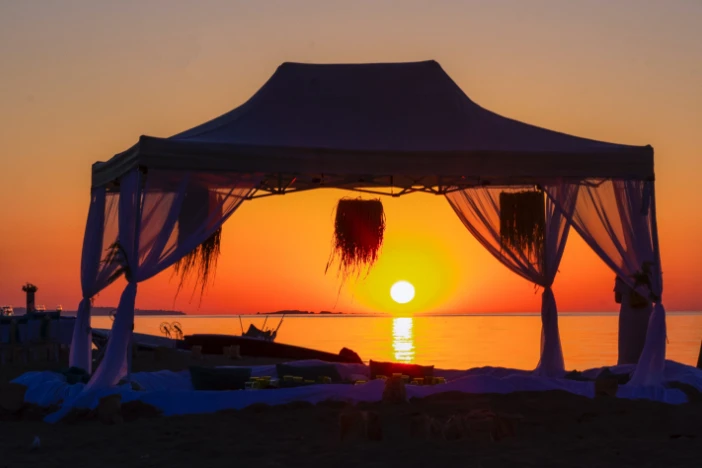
287	183
282	184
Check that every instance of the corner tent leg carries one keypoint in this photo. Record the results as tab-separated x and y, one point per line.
551	363
81	349
114	364
130	355
651	366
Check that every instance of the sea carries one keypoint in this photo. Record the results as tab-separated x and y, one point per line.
447	341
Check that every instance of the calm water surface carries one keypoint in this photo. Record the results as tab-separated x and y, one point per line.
588	340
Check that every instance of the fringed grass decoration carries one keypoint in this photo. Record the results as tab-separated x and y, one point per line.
203	260
523	222
117	255
359	227
199	207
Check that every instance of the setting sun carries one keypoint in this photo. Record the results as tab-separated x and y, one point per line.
402	292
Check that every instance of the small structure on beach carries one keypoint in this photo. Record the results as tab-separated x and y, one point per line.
517	188
30	290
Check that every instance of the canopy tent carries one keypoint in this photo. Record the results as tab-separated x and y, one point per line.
360	127
405	124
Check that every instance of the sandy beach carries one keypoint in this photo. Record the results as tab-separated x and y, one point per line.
551	429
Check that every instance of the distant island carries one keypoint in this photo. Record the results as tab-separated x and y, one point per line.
105	311
301	312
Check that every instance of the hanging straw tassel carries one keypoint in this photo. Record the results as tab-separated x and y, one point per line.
359	227
523	222
202	259
197	207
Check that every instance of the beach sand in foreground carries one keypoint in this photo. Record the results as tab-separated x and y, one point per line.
556	429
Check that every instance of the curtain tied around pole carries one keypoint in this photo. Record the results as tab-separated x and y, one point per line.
551	363
617	219
481	211
153	236
95	272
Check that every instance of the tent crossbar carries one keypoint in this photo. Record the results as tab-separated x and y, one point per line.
281	184
262	192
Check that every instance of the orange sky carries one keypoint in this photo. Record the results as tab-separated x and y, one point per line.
81	80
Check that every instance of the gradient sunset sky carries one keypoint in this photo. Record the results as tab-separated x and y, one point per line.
81	80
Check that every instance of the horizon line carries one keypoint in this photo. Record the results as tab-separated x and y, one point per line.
391	315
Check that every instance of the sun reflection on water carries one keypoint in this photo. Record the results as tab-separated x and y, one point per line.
402	339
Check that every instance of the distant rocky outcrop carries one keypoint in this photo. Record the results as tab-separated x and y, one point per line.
301	312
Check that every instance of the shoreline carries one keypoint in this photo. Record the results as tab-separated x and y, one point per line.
389	315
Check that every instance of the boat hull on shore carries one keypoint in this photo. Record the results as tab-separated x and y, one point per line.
214	343
141	340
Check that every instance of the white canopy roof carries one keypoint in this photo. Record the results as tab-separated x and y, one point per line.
403	121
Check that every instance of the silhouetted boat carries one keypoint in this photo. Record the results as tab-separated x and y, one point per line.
261	333
257	334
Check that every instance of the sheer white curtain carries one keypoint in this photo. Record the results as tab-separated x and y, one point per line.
634	314
617	218
479	210
95	274
151	239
